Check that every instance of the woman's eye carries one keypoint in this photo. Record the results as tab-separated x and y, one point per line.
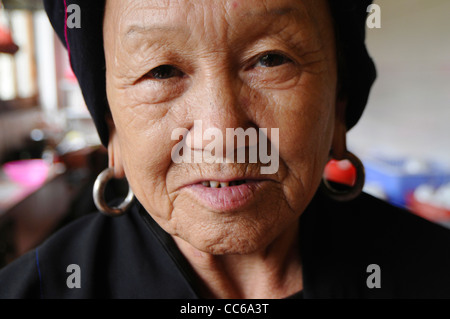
272	60
164	72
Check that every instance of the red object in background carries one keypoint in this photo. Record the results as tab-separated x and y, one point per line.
7	44
342	172
431	212
69	75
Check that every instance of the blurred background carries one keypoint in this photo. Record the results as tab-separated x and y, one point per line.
403	137
50	153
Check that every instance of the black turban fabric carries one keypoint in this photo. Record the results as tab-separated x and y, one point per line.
85	49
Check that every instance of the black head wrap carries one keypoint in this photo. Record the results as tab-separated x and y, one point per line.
85	48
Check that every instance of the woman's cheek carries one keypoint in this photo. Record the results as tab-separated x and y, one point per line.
304	115
145	168
145	145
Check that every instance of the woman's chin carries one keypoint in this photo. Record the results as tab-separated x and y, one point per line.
240	233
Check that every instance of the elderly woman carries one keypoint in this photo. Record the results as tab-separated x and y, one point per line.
296	70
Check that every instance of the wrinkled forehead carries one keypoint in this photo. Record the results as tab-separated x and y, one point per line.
216	19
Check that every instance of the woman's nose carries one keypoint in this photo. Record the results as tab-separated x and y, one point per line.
219	107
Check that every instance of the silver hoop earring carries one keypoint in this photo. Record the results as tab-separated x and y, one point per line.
347	193
98	194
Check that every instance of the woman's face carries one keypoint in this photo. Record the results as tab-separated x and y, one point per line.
221	64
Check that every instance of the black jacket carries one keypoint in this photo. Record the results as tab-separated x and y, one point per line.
132	257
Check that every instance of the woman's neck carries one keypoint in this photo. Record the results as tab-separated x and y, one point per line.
272	272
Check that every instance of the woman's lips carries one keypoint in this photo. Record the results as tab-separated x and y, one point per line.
226	196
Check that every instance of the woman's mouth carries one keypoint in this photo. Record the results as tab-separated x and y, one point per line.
216	184
227	196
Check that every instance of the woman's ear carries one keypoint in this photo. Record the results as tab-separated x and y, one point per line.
114	152
339	143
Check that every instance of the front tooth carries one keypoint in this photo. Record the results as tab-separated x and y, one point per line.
214	184
206	184
224	184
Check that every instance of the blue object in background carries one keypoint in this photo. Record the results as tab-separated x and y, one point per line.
398	178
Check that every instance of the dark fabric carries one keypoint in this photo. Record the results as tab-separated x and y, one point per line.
118	257
132	257
357	71
85	46
87	58
340	240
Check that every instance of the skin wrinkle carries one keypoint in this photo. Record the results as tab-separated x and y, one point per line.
168	28
251	252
